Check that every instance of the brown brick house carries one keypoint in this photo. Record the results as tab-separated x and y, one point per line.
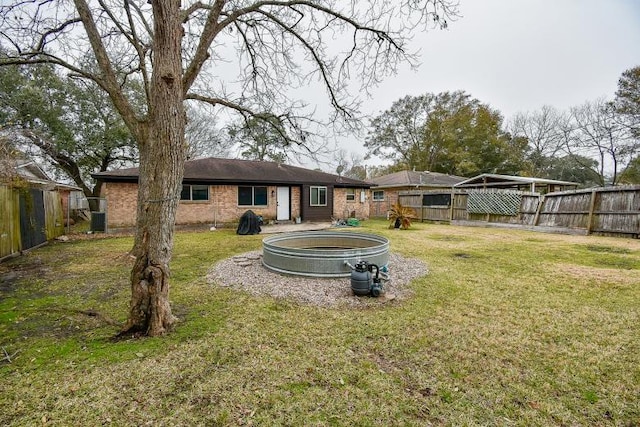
218	191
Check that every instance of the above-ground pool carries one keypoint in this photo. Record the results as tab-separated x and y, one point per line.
322	253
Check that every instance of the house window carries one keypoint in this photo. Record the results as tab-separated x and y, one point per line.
318	196
351	194
194	192
378	196
252	196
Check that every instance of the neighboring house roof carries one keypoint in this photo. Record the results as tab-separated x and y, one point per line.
497	181
31	172
213	170
417	179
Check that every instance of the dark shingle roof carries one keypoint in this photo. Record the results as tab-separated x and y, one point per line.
417	179
213	170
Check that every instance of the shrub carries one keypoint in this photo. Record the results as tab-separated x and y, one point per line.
402	215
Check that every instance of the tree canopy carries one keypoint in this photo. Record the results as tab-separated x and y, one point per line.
70	123
449	133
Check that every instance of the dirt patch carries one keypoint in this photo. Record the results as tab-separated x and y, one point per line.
601	275
17	269
608	249
7	281
462	255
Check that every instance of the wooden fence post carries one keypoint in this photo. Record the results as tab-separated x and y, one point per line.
451	204
592	206
536	218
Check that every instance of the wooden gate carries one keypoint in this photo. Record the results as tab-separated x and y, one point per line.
32	218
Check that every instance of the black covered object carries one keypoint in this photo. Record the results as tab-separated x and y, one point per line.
249	224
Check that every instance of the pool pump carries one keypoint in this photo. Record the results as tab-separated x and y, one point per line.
363	282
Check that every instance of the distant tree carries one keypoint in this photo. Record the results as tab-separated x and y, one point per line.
202	136
260	139
357	171
449	133
374	171
574	168
631	174
543	131
350	165
266	138
598	133
627	101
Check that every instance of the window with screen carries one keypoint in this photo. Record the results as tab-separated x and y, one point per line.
351	194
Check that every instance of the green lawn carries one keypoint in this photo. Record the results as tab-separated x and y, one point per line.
508	328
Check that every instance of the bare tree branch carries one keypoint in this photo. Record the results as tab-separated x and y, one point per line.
108	80
329	85
53	31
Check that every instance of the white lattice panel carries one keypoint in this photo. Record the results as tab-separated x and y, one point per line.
494	202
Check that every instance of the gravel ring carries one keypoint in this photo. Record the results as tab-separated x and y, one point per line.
246	272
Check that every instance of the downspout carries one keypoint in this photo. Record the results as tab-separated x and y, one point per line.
215	208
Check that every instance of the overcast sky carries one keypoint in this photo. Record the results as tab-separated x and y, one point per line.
518	55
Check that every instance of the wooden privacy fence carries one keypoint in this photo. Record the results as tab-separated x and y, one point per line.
609	210
28	218
9	221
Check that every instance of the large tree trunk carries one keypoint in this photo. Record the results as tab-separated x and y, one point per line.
162	156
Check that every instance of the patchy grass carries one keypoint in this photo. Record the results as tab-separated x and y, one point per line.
508	328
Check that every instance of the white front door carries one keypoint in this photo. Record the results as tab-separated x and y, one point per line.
282	201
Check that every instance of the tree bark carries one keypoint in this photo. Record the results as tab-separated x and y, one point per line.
162	157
